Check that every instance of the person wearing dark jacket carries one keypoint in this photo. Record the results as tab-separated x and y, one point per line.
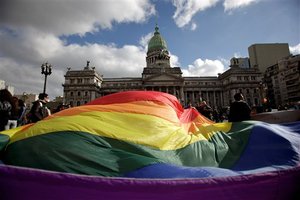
239	109
39	109
7	108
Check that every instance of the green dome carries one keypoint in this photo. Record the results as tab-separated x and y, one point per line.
157	42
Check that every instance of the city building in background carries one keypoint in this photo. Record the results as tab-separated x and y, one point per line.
271	75
263	56
283	81
245	80
84	85
240	62
27	98
81	86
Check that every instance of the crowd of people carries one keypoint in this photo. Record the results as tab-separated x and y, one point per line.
13	110
239	110
214	114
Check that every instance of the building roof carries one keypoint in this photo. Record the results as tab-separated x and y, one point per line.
157	42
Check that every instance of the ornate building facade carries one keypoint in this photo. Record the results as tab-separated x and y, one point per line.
81	86
283	81
159	75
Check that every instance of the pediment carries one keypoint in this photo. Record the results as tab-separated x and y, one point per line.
163	77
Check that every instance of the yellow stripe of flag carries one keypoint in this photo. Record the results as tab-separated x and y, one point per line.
131	127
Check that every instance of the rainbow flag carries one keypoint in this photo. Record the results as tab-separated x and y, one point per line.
144	145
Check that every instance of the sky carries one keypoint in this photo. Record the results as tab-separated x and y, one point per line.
202	36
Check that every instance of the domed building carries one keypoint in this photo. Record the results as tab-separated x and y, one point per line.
159	75
157	54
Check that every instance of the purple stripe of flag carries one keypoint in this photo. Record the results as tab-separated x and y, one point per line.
25	183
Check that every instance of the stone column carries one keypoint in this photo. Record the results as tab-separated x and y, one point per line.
193	97
207	99
221	98
200	96
181	94
251	94
214	98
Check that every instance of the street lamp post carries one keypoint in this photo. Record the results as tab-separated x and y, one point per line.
46	70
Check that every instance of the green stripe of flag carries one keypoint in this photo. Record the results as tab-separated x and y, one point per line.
84	153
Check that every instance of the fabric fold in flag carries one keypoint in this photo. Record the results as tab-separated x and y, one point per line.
147	134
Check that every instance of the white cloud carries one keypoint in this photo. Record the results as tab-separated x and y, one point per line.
29	45
30	35
109	60
237	55
72	16
295	49
234	4
145	40
225	62
204	68
174	60
186	9
193	26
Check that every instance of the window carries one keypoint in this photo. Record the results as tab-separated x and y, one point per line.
253	78
246	78
78	94
85	93
71	94
78	103
239	78
79	80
